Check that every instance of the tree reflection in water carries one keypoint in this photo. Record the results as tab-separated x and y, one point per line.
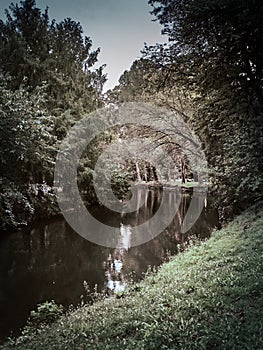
128	260
51	261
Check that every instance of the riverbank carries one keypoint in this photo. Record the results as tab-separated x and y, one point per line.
21	205
209	297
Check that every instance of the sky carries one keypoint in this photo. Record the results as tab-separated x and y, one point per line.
119	27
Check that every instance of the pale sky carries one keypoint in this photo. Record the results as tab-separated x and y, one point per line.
118	27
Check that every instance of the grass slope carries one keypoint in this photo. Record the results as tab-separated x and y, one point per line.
209	297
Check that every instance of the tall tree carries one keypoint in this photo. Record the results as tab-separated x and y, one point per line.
215	51
34	51
47	83
27	146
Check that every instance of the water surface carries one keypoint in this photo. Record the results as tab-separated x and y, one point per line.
51	261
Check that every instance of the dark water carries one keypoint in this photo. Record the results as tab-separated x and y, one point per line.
52	261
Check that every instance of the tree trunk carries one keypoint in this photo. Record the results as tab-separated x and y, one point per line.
139	179
183	170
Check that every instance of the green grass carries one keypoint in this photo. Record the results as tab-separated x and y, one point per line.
188	184
209	297
180	184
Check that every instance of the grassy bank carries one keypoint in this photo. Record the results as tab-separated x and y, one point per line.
209	297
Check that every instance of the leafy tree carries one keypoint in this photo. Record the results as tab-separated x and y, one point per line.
215	52
47	84
135	83
34	51
26	151
221	36
145	82
25	43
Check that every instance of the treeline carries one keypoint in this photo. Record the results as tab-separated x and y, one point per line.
211	73
47	83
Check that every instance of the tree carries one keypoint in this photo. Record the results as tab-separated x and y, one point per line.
24	43
27	142
34	51
216	51
47	84
146	82
27	153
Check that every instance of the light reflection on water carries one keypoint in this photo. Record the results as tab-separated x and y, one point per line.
52	261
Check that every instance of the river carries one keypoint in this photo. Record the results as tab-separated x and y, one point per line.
52	262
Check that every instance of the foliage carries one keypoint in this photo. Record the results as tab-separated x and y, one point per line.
121	181
15	208
134	84
206	298
47	83
20	204
145	82
46	312
215	54
26	151
34	51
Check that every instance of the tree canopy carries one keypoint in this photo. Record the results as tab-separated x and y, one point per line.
48	82
36	50
215	53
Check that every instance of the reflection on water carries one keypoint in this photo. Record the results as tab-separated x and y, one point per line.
125	237
52	261
114	275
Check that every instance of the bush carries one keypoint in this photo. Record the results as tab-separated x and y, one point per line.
46	313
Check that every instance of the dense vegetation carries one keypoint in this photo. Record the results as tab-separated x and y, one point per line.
209	297
47	84
211	73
